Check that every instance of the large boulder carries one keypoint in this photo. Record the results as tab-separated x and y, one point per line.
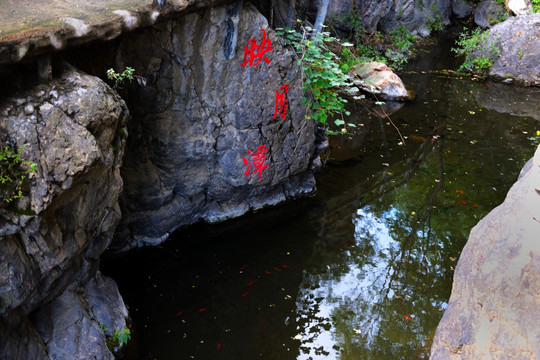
518	38
200	117
380	81
52	237
493	312
488	13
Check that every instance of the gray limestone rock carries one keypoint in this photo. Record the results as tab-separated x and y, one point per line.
70	325
518	38
462	8
493	310
488	13
72	137
200	116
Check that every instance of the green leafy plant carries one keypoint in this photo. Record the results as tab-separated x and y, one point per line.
536	5
119	337
500	16
535	140
322	74
119	78
402	38
433	20
13	173
122	336
479	54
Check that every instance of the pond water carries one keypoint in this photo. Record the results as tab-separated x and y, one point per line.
364	269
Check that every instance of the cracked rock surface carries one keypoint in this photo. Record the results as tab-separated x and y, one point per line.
196	119
70	129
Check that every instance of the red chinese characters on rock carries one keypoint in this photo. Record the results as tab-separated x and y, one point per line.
281	102
254	52
258	160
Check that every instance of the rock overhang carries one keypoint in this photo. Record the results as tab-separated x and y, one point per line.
29	30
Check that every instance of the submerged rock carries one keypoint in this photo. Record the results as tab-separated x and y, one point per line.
494	306
380	81
53	237
518	38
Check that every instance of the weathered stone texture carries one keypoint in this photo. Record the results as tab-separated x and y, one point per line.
518	38
68	128
487	13
386	15
493	312
197	118
379	80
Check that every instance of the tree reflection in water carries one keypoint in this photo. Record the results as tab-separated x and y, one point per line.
383	296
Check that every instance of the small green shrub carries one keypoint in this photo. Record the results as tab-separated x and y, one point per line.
323	75
119	336
536	5
13	173
479	55
122	336
499	17
433	20
119	78
402	38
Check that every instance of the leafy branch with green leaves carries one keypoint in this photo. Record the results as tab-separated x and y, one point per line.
322	75
119	337
13	173
479	53
127	74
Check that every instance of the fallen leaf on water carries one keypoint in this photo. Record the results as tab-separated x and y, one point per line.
452	258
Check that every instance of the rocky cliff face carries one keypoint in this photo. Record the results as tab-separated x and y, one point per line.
200	120
70	129
417	16
493	310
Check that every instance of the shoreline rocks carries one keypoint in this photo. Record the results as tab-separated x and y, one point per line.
494	304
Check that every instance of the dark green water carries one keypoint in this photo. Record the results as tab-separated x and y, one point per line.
364	269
